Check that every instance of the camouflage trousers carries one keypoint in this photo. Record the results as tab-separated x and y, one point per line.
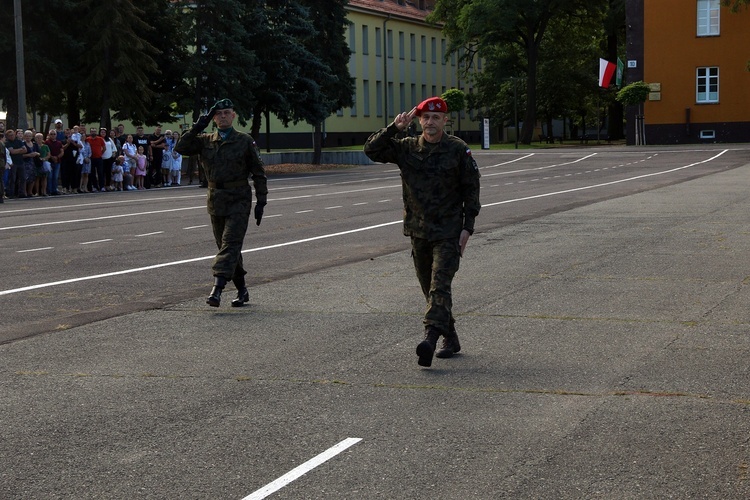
436	262
229	233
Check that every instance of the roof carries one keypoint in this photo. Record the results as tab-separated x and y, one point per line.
399	8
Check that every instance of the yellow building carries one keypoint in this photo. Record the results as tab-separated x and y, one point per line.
397	61
694	54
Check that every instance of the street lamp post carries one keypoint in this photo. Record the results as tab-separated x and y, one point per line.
20	74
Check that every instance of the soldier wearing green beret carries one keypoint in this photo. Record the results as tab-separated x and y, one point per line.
440	186
229	159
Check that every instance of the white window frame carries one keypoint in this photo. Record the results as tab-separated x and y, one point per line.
708	17
707	78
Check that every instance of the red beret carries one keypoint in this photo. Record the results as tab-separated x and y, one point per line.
432	105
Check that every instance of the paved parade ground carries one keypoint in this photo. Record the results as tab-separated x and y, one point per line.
605	353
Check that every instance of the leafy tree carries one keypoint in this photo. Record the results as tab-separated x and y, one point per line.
46	38
223	62
735	5
328	85
118	64
281	55
518	26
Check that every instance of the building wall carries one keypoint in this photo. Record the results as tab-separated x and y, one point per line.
672	52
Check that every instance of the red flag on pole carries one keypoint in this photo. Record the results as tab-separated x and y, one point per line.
606	71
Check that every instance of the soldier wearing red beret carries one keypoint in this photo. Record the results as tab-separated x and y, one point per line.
441	201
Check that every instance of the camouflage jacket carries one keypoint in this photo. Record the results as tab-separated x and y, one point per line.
228	161
440	183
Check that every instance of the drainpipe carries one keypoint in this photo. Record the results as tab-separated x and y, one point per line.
385	69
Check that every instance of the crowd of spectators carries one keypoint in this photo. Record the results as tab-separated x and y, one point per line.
68	161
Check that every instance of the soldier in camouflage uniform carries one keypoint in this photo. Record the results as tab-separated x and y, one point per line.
229	158
440	187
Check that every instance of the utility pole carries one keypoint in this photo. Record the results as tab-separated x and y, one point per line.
20	74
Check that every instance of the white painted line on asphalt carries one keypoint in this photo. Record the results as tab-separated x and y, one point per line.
271	216
593	186
195	227
119	216
331	208
95	241
360	203
148	234
342	233
196	259
34	249
301	470
541	168
303	211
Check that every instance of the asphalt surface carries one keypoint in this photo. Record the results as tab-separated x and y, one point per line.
605	355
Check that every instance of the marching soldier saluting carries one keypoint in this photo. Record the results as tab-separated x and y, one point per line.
229	158
440	186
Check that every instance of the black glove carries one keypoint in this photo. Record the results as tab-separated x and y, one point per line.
205	120
259	212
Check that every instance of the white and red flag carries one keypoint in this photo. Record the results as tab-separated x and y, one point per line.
606	71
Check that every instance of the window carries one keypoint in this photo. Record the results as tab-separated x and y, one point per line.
413	46
352	38
365	40
378	42
707	85
401	45
708	17
389	43
424	48
366	96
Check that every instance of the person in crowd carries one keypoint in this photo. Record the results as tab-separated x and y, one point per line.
59	131
5	165
440	182
117	173
175	169
98	147
129	151
16	185
29	162
108	159
156	156
166	163
85	167
141	139
140	168
69	169
192	168
118	143
230	157
42	165
56	154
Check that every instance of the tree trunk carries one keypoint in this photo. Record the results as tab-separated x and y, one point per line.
317	135
529	120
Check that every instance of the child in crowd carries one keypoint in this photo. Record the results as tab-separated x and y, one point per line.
166	164
75	138
175	170
117	171
85	157
140	168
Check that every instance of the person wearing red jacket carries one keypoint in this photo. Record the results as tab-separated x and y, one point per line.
96	142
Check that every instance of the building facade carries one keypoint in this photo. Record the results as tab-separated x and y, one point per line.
694	54
397	61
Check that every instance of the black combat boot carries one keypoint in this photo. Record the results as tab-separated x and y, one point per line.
449	346
214	299
426	348
243	296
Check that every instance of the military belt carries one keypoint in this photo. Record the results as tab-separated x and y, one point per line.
227	185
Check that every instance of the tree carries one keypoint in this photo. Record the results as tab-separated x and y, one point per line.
636	94
118	64
223	62
329	82
481	25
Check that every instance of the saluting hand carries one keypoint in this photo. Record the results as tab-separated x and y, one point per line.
403	120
